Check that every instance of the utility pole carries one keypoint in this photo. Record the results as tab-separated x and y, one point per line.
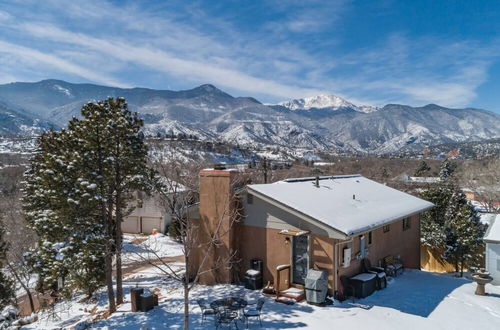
264	167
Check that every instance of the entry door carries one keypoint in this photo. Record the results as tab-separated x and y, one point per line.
300	259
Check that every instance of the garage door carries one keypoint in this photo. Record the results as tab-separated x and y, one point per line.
131	225
150	223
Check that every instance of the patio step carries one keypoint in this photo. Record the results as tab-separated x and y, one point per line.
285	300
292	293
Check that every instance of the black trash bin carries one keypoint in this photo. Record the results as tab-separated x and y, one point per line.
253	276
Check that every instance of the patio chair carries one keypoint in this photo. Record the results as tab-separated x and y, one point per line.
254	311
226	316
393	265
366	267
205	309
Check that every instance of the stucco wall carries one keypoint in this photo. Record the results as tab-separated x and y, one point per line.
217	211
273	248
396	242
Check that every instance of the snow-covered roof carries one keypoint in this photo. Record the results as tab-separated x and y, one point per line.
487	218
350	204
493	233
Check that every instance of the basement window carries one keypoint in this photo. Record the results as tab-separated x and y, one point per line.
406	224
249	199
386	228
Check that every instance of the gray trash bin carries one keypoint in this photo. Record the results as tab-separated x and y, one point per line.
316	285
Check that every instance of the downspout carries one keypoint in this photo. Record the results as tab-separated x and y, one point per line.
336	267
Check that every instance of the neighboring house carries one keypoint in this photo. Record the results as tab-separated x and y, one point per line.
148	214
329	223
492	240
152	212
485	198
419	179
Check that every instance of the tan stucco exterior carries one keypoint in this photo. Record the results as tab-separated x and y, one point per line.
256	235
215	229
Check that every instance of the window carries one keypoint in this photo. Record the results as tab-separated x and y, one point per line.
386	228
406	224
369	238
249	199
362	246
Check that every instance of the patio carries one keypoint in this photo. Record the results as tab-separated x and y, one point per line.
414	300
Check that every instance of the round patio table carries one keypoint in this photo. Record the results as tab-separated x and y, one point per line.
233	303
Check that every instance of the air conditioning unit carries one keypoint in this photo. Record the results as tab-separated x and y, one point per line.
347	257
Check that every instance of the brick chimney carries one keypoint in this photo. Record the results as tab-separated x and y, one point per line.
217	211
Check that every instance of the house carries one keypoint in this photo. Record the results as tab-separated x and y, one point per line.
153	212
329	223
492	240
147	215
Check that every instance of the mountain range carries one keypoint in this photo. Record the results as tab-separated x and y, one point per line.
325	122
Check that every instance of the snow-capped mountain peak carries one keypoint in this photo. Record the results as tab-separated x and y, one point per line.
324	101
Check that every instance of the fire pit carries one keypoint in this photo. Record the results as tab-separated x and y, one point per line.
481	277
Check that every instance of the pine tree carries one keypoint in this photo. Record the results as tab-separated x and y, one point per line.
76	194
446	169
422	168
116	160
464	232
432	222
453	225
60	209
6	284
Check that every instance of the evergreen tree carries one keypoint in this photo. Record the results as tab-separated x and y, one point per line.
422	168
432	222
453	225
60	209
116	160
6	284
77	191
464	232
446	169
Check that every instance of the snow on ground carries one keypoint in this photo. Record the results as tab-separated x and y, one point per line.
153	247
414	300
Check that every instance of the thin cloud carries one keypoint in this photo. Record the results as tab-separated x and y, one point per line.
41	58
284	57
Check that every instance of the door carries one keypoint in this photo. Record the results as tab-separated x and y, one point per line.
300	259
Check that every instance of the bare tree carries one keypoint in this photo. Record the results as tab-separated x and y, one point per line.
19	237
177	189
481	178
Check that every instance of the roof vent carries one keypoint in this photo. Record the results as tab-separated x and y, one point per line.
317	182
353	196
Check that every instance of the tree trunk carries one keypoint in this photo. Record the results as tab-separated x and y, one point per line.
119	275
461	267
109	281
118	227
186	301
186	293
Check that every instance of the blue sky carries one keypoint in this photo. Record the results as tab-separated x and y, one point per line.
370	52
